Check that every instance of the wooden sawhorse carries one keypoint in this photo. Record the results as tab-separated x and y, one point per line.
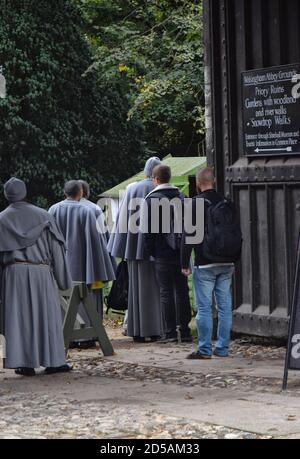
70	301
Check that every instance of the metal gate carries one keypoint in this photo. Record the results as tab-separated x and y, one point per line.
244	35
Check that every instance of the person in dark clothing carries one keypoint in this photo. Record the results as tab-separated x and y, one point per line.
163	242
209	279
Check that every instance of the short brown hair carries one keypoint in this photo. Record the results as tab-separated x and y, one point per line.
206	176
162	173
73	188
86	188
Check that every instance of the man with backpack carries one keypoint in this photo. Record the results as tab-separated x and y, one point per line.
213	266
163	242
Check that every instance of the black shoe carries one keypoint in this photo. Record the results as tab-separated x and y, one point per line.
90	344
63	369
198	356
24	371
154	339
216	354
139	339
187	339
167	340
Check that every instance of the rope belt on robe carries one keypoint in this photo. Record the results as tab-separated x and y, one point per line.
24	263
95	286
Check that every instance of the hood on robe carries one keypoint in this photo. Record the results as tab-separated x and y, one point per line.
150	165
15	190
21	225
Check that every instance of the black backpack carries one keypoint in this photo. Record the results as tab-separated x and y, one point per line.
223	237
118	295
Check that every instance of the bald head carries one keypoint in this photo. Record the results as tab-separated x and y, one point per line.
206	179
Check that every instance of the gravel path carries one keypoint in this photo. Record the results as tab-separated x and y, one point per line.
44	414
40	417
213	379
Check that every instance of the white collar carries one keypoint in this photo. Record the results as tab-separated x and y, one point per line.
164	186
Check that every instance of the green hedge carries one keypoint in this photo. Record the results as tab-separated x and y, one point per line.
55	123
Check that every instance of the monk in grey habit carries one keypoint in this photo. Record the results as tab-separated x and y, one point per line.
32	267
87	254
102	229
144	312
86	193
101	224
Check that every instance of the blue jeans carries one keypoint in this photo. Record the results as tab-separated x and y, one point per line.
208	281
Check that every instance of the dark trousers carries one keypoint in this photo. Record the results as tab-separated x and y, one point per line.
174	298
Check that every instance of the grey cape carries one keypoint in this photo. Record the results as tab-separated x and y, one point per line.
92	205
33	267
125	244
144	311
101	225
87	253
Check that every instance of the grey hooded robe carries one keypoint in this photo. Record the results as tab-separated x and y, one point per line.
101	224
144	312
87	254
29	289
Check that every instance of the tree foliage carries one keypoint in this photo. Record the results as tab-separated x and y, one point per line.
55	123
151	50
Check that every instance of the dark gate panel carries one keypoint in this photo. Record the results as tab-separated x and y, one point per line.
244	35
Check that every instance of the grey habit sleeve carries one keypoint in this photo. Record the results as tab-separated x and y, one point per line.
59	264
